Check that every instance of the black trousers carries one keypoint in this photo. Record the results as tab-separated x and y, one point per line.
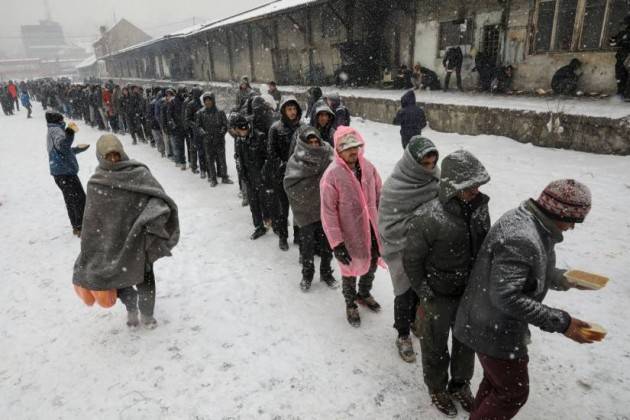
312	237
349	284
458	74
74	196
281	212
256	197
405	307
144	296
215	158
621	74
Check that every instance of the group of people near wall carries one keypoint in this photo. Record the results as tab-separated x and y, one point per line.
454	273
498	78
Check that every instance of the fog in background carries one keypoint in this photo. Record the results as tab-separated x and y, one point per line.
81	19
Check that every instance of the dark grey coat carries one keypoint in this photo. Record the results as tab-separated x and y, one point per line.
514	270
445	234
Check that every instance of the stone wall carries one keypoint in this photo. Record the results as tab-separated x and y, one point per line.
545	129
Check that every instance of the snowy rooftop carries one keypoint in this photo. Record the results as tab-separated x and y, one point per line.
257	12
87	62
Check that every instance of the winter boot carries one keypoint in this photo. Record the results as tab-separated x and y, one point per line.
329	279
183	167
132	319
405	349
305	284
352	314
76	232
283	244
369	302
213	182
148	321
226	180
194	170
260	231
463	395
443	402
202	175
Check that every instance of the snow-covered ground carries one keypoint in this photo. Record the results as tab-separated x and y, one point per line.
238	339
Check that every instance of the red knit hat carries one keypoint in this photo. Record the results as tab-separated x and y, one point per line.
566	200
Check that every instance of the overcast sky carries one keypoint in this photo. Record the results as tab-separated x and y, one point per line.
81	18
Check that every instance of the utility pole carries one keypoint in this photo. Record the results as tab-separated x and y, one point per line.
47	9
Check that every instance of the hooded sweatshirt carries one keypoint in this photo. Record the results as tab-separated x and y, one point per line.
349	210
410	117
129	223
445	234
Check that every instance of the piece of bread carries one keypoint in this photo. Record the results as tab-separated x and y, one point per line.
585	279
595	331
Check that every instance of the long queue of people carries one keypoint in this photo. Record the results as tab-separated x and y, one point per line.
454	274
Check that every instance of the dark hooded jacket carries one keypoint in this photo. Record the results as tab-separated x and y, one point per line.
453	59
565	80
410	118
61	154
514	270
251	153
211	123
175	114
304	172
281	134
342	115
314	95
445	234
327	133
193	104
262	116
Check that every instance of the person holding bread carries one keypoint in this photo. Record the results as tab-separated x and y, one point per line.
64	167
514	270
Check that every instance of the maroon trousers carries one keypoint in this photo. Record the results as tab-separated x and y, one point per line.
503	390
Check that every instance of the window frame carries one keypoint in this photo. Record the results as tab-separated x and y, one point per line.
578	30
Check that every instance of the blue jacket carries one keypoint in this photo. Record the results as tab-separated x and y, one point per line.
25	99
410	117
61	156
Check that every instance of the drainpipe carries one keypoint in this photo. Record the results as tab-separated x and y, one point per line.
506	22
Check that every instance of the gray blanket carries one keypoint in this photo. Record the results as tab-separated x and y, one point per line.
128	224
408	187
301	180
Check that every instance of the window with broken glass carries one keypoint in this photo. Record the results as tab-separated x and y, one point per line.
576	25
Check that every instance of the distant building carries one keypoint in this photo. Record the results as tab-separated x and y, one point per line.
122	35
47	42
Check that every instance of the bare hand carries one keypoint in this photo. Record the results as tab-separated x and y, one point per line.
577	331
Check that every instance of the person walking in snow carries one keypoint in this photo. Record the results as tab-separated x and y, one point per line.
413	183
410	118
197	155
350	191
281	134
26	102
134	211
514	270
443	239
212	126
305	169
64	167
